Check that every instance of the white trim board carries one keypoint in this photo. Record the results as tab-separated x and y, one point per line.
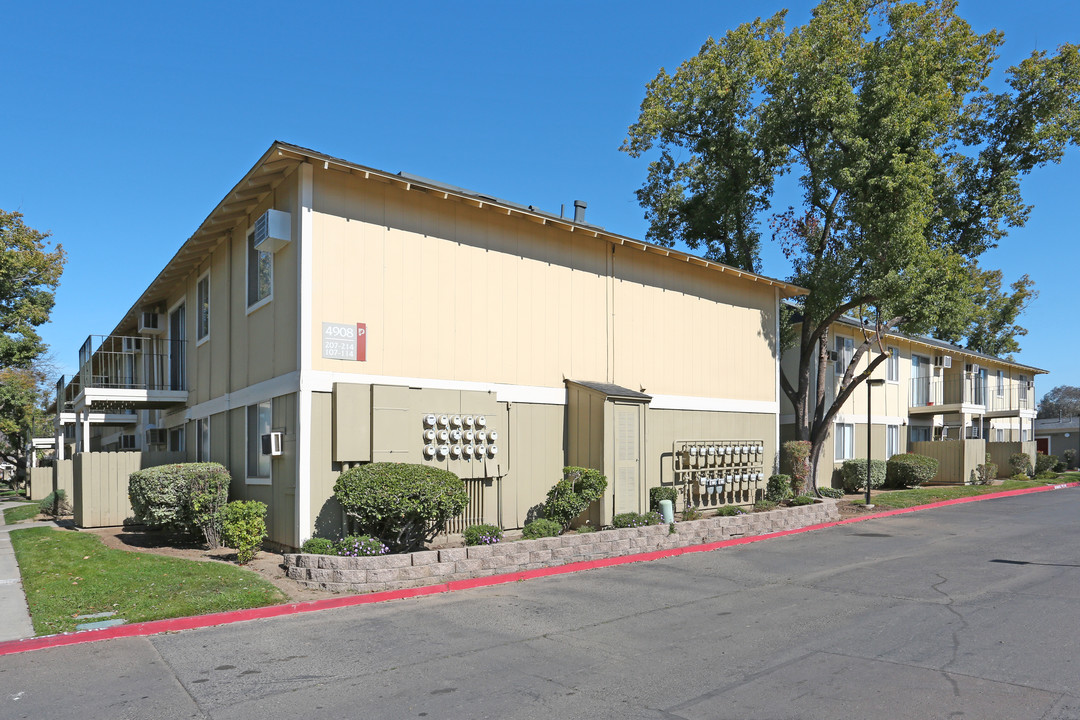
265	390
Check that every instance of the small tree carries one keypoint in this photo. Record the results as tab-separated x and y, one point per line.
243	527
403	505
795	460
1020	463
569	497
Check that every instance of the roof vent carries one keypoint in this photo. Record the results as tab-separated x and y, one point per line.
579	211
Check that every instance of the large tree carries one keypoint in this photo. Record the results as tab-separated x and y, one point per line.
1060	402
908	166
29	275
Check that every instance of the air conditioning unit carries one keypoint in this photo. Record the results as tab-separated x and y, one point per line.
151	323
271	443
157	436
943	361
273	230
127	442
972	367
973	432
833	356
132	345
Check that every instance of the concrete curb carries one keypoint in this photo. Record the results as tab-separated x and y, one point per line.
190	623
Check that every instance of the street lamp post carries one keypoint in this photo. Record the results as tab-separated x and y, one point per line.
870	383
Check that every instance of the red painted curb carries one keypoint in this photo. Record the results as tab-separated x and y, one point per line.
156	627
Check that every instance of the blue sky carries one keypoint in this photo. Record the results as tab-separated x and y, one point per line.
126	123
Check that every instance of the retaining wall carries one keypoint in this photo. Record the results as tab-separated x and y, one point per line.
431	567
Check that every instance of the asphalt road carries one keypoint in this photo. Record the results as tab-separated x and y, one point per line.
969	611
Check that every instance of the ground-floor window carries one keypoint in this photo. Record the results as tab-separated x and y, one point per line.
920	434
999	434
845	441
892	440
176	439
258	424
202	439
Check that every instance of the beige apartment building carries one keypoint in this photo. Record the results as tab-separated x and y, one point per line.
327	314
933	398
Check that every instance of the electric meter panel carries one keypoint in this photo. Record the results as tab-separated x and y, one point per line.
718	472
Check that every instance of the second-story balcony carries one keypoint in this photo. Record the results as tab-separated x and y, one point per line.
970	392
118	372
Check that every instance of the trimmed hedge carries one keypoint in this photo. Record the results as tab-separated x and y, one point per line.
183	497
403	505
540	528
657	494
243	527
1020	463
572	495
909	470
778	489
1044	462
853	474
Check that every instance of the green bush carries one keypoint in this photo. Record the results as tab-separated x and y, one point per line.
1046	475
803	500
795	460
831	492
1020	463
730	511
909	470
319	546
1020	477
540	528
586	528
853	474
633	519
183	497
657	494
482	534
55	505
1070	458
1060	466
1044	462
691	513
984	474
764	505
569	497
403	505
243	527
360	546
778	488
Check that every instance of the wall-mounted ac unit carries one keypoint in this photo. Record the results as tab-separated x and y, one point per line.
157	436
943	361
973	432
132	345
151	323
271	443
127	442
273	230
833	356
972	367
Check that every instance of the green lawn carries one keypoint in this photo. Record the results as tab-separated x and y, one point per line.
65	573
19	513
924	496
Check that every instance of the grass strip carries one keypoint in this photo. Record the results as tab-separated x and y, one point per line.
66	573
895	499
13	515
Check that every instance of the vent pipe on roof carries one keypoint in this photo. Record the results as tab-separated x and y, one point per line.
579	210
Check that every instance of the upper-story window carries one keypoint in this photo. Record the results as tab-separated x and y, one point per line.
892	365
1000	383
202	308
845	349
260	272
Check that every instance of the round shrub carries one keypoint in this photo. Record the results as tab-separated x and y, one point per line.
909	470
1020	463
183	497
569	497
765	505
318	546
831	492
482	534
360	546
1044	462
657	494
778	488
541	528
403	505
243	527
1069	457
853	474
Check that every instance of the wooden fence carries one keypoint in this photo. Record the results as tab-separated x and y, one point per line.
100	484
957	459
1000	452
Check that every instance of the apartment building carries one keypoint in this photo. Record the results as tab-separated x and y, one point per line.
327	314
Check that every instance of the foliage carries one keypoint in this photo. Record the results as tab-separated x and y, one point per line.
927	495
586	528
795	459
1070	458
568	498
319	546
1020	463
909	470
853	474
29	276
360	546
1046	475
634	519
540	528
765	505
483	534
729	511
243	527
403	505
184	497
69	573
657	494
55	505
909	167
778	489
24	395
986	473
831	492
1044	462
1060	402
802	500
691	513
1019	477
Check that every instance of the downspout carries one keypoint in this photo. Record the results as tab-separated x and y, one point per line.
303	365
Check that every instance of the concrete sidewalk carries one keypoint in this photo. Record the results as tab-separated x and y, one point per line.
14	616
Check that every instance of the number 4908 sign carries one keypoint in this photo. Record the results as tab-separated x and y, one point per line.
344	341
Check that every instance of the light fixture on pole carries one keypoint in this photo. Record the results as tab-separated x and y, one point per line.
870	383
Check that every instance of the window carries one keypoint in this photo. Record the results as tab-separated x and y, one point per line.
176	439
202	308
920	434
260	272
1000	432
845	349
1000	383
1025	435
845	441
202	439
258	424
892	440
1022	379
892	365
